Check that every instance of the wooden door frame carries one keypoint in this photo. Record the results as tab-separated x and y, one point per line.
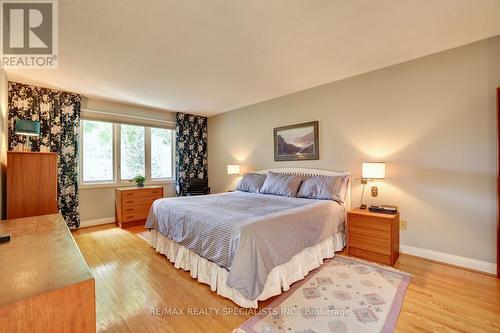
498	182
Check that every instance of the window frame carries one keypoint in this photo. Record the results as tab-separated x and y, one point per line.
117	181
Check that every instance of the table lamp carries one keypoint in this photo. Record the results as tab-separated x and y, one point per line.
371	171
27	128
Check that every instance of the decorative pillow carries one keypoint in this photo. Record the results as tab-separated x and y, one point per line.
281	184
251	182
325	188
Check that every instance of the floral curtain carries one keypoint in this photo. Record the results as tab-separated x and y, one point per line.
59	115
191	154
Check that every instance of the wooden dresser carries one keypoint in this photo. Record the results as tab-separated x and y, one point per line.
45	284
31	184
373	236
132	204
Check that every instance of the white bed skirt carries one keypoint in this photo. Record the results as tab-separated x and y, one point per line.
280	278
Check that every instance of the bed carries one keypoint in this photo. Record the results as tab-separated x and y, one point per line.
249	246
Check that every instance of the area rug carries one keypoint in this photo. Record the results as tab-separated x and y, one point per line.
344	295
145	235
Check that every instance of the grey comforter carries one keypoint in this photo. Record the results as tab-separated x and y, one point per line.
246	233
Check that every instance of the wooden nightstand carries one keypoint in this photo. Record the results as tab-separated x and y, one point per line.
373	236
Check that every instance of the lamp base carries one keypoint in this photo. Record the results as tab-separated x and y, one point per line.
363	206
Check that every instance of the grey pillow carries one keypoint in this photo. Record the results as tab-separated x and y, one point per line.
251	182
324	187
281	184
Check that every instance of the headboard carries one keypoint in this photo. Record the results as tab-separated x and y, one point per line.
315	172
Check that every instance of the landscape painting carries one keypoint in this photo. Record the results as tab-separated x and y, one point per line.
296	142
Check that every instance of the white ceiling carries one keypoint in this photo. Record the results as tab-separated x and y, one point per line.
208	57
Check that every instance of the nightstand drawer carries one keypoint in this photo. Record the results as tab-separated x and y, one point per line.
369	223
370	255
369	233
382	246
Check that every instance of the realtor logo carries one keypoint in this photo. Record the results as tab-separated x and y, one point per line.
29	34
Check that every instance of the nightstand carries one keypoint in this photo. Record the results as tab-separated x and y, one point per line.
373	236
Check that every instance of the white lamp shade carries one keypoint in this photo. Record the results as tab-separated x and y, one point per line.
373	170
233	169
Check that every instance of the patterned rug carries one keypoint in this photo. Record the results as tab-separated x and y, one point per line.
144	235
344	295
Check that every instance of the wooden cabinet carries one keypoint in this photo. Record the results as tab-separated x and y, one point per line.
45	284
373	236
31	184
132	204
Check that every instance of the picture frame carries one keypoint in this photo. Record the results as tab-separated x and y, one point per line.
297	142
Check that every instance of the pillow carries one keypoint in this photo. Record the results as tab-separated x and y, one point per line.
251	182
325	188
281	184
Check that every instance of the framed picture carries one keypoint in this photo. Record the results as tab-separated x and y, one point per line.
296	142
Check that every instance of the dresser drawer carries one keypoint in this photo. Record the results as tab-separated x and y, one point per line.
140	193
384	259
128	217
134	209
139	201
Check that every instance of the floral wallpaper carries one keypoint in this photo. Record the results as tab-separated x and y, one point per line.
191	154
59	115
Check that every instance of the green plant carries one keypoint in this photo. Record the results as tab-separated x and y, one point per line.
139	181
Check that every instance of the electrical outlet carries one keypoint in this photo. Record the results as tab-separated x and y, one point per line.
403	224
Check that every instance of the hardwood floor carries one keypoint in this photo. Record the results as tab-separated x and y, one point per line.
134	285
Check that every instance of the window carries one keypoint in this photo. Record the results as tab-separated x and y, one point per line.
161	158
132	151
116	153
97	148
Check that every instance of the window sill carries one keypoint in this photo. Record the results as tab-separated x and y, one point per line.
125	184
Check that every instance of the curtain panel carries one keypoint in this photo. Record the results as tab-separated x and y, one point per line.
191	150
59	115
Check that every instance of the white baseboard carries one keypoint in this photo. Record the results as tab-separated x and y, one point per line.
90	223
479	265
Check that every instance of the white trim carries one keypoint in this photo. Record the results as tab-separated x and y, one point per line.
121	115
479	265
90	223
163	182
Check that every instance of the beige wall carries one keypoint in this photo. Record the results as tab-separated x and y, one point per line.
3	140
432	120
99	203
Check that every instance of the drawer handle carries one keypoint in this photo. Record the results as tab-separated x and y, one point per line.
130	201
129	217
129	209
